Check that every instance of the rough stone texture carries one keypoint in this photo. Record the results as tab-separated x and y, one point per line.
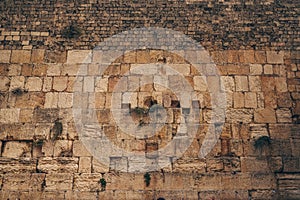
41	152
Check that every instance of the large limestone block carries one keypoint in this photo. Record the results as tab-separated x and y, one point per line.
274	57
79	56
58	165
265	115
5	56
20	56
14	149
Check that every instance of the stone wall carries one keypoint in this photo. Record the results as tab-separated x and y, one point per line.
254	46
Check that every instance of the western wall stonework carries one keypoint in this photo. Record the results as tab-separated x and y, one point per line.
47	51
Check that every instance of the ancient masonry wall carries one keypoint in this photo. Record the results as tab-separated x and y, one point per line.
254	46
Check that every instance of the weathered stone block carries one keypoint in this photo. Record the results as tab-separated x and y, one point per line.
62	148
54	69
79	56
5	56
266	115
254	83
17	82
256	69
19	165
250	100
239	115
34	84
4	83
60	83
23	182
268	69
46	115
51	100
57	182
281	84
241	83
9	115
15	149
284	115
20	56
58	165
65	100
85	165
14	70
87	182
274	57
37	55
238	100
39	70
79	150
47	86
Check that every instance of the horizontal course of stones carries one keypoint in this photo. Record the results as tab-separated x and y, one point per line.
36	96
216	25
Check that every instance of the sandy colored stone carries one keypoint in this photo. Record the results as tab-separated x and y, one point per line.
26	115
265	115
239	115
182	69
248	56
58	165
39	70
14	70
200	83
87	182
37	55
79	56
250	100
51	100
65	100
241	83
274	57
57	182
101	84
34	84
256	69
62	148
17	82
47	85
260	56
88	84
70	69
133	83
26	69
79	149
60	83
85	165
238	100
268	69
99	98
20	56
228	83
281	84
284	115
98	167
54	69
254	83
5	56
9	115
16	149
4	83
130	57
